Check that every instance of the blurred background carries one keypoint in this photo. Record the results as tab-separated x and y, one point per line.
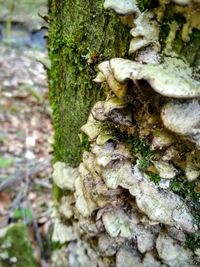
25	135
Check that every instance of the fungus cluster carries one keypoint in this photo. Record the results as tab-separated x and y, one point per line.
143	137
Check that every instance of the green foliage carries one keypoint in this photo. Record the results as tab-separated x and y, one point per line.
6	162
15	247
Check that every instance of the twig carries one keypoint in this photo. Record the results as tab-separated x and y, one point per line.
43	183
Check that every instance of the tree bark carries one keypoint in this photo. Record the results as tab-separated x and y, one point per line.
81	34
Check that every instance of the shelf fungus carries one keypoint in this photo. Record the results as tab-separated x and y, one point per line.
118	88
145	32
125	7
172	253
183	118
165	169
174	79
64	176
135	191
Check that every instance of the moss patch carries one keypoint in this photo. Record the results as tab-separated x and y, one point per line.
81	35
185	189
146	4
15	250
139	149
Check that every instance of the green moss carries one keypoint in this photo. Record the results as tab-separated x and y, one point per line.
183	187
146	4
79	30
164	31
139	149
85	142
17	248
154	177
193	241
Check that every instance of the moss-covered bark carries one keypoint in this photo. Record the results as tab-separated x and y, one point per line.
81	33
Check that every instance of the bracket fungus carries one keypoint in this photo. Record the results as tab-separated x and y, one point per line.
117	223
129	191
183	119
145	32
122	7
165	169
172	253
174	79
64	176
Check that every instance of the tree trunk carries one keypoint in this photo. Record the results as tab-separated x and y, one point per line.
134	199
81	34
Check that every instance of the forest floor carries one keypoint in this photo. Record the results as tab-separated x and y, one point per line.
26	131
25	146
